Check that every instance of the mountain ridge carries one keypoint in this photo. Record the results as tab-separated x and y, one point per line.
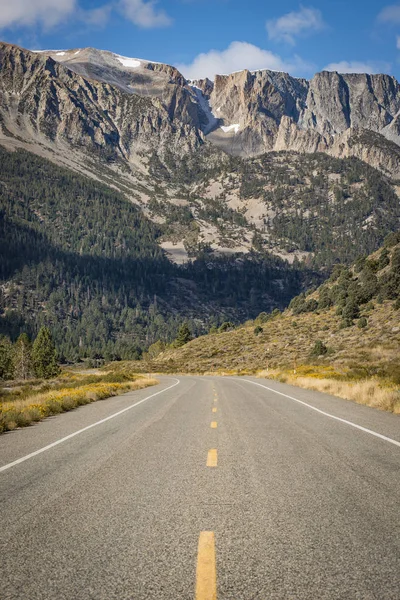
244	113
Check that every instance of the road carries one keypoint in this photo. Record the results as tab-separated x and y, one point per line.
203	487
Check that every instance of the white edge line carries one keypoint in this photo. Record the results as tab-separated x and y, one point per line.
374	433
71	435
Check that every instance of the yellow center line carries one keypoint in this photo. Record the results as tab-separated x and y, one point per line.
213	424
212	458
206	572
214	409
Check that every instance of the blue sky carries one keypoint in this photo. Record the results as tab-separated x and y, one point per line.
204	37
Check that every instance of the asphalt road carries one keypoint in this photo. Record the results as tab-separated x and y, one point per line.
299	505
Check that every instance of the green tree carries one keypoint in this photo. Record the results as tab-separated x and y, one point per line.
44	355
6	358
351	311
22	357
184	335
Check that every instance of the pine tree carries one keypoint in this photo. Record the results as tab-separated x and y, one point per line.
6	358
44	355
184	335
22	358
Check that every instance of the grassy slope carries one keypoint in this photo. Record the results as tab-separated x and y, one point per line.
362	364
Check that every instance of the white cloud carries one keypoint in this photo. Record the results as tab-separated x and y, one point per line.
144	14
28	13
293	24
239	56
50	13
390	14
98	17
355	66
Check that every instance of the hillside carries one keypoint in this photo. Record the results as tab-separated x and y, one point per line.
351	324
80	258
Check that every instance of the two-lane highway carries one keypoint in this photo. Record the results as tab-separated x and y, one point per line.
240	488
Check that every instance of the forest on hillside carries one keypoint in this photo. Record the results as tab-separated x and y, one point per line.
79	258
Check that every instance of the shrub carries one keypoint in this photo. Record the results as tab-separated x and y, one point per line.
258	330
362	323
346	323
263	317
351	310
319	349
226	326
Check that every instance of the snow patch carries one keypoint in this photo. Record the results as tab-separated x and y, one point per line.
228	128
77	52
132	63
47	51
212	120
60	53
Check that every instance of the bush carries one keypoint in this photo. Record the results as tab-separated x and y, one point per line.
227	326
351	311
263	317
319	349
346	323
362	323
258	330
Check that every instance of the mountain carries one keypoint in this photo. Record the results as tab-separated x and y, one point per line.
123	106
132	198
141	128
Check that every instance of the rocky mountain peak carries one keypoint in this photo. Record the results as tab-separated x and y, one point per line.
126	105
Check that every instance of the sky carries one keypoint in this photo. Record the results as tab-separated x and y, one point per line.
205	37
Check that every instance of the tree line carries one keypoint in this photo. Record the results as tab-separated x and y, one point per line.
24	359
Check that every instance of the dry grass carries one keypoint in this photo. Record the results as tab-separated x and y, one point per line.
370	392
34	404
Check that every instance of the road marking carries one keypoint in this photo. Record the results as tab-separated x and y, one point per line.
212	458
215	399
350	423
206	572
68	437
214	409
213	424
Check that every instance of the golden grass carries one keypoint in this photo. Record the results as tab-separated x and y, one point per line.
373	392
37	406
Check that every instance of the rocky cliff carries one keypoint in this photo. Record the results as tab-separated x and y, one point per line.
263	110
123	107
91	105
